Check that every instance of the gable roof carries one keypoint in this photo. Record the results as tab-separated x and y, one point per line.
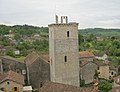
58	87
13	76
86	54
32	57
83	63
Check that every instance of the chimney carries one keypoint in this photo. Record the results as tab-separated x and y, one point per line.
61	19
65	18
56	18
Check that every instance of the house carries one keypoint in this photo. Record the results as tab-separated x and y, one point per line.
87	71
58	87
8	63
101	56
38	69
86	56
103	69
117	81
115	89
11	82
17	52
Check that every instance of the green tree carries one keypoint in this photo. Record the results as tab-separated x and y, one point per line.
105	86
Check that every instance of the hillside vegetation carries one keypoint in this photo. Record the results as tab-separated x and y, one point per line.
26	38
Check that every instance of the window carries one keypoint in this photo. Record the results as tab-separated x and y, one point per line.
23	71
8	82
2	89
110	77
15	88
41	84
65	58
67	33
112	73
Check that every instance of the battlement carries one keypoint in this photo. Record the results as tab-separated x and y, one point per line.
64	24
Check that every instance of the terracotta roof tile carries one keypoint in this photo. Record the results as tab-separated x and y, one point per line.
86	54
58	87
13	76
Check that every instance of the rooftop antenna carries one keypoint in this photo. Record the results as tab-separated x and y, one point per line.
56	16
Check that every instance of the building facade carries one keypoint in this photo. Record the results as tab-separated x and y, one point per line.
38	69
11	82
87	72
63	52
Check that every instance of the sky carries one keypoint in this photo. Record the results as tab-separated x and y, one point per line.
88	13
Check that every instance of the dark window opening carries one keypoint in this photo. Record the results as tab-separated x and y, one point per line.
65	58
98	68
8	83
110	77
112	73
15	88
41	84
67	33
2	89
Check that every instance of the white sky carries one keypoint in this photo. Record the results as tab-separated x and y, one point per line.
88	13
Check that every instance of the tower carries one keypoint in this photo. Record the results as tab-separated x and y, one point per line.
63	52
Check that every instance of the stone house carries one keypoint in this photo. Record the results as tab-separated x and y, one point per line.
8	63
58	87
116	84
86	56
38	69
101	56
103	69
11	82
115	89
87	71
117	81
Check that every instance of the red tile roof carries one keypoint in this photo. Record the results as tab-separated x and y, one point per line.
58	87
86	54
13	76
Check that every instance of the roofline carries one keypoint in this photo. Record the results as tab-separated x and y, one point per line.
10	80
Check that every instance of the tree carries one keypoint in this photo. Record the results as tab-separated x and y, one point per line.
105	86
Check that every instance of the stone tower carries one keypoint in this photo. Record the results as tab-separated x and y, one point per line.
63	52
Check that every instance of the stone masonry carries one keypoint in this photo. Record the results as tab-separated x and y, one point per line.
63	53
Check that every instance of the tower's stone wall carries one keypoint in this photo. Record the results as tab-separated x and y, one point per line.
64	55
